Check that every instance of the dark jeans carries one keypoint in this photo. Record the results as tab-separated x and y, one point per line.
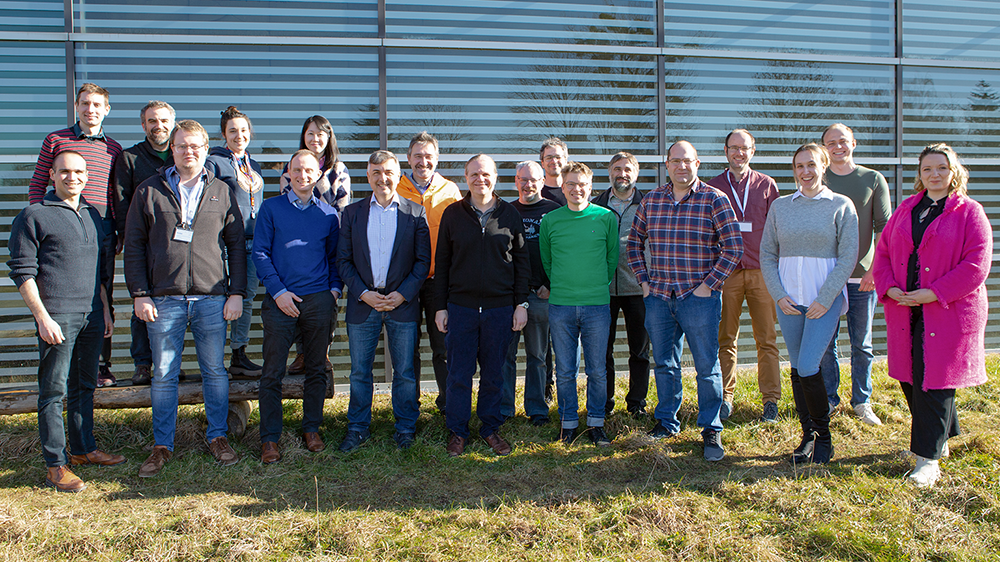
634	311
316	316
476	336
439	351
536	343
108	249
140	351
69	370
935	418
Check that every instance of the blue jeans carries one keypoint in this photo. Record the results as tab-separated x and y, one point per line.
166	340
571	327
317	312
860	312
806	339
696	318
483	336
239	329
69	370
363	339
536	337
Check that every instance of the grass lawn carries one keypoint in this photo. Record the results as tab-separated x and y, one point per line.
636	500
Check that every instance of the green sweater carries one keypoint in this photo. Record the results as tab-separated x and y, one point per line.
869	192
579	254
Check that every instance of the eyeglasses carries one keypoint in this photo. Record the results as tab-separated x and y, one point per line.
740	148
678	162
187	147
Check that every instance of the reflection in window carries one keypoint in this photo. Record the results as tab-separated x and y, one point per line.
958	106
968	29
33	90
37	15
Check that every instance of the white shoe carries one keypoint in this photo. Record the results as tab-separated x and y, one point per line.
910	456
864	411
925	474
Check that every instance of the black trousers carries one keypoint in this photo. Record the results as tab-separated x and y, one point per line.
935	419
439	352
634	310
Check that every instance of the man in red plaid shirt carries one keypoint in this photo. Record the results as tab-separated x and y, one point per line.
694	243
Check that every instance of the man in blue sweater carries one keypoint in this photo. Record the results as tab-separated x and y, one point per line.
295	250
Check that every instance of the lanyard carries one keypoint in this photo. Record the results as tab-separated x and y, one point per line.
243	170
736	198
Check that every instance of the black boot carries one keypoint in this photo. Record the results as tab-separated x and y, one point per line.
803	453
242	366
814	393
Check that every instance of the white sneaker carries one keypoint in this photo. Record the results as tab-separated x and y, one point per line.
864	411
925	474
908	455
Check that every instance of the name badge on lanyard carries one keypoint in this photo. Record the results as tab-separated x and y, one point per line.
745	225
183	233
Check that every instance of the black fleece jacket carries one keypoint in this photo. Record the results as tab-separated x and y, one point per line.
481	267
132	167
157	265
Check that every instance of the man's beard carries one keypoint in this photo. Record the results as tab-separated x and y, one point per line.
628	187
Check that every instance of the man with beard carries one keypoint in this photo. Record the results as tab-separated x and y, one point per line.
623	199
553	155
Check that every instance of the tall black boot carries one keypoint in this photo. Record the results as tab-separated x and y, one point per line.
803	453
814	393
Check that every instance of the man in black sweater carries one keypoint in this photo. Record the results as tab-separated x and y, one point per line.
132	167
482	298
56	263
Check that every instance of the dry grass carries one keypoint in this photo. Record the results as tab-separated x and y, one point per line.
638	500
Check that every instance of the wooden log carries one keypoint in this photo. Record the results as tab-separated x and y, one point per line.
24	400
239	414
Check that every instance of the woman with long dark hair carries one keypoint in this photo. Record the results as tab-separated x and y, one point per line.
931	264
334	187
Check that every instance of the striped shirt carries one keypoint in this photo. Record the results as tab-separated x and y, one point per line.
691	241
100	153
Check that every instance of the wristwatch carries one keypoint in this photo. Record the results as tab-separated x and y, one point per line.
524	304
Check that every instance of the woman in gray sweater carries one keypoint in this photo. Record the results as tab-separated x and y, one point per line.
809	248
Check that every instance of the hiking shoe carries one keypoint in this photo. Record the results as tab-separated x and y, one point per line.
104	376
241	365
152	465
713	445
567	435
142	376
770	414
864	411
223	452
63	480
598	437
725	410
353	440
660	431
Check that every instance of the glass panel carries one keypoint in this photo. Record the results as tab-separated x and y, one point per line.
277	87
292	18
782	103
857	27
580	22
37	15
958	106
33	89
965	29
509	102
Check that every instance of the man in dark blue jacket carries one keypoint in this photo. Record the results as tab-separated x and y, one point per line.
294	249
56	263
383	255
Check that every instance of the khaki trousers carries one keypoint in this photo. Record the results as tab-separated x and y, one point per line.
748	285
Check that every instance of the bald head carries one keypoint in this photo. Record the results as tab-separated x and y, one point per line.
682	164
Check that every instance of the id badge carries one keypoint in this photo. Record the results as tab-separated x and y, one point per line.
182	234
745	226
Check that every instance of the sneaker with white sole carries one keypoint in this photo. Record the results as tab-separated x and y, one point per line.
925	474
713	445
864	411
909	455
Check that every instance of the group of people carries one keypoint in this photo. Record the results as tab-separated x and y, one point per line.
556	266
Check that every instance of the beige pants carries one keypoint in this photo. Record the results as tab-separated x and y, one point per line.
748	285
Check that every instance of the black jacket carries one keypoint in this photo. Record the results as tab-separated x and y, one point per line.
157	265
132	167
479	267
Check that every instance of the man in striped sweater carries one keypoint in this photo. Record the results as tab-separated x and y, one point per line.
87	137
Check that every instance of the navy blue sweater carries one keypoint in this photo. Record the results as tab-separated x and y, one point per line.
220	163
296	249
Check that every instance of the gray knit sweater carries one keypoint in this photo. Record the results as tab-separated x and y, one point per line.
819	228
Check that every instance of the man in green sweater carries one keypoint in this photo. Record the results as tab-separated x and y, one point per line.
579	248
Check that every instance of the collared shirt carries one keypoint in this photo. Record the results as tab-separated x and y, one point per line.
298	204
189	196
79	134
803	276
381	236
618	205
421	188
759	191
690	241
484	216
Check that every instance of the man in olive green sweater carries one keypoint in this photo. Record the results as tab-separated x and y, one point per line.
579	248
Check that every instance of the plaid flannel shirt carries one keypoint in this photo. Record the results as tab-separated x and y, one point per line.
691	241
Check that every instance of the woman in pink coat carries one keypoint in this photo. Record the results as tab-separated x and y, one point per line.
931	265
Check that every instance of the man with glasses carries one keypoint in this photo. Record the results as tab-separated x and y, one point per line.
751	194
180	223
870	194
694	245
553	156
529	178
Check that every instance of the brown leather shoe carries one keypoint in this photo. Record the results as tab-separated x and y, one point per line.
269	452
313	441
223	452
63	480
153	464
98	457
456	445
499	445
298	366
